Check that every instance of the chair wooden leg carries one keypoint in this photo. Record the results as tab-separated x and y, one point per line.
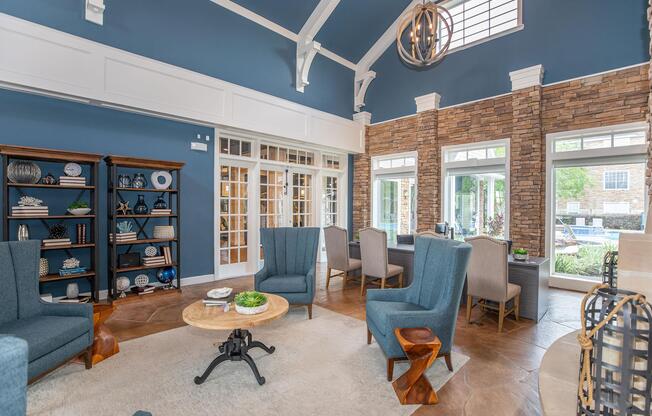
469	306
390	369
362	281
517	306
368	336
382	283
310	311
449	362
501	316
400	280
88	358
328	277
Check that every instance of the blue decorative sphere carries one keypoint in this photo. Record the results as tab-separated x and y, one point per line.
166	275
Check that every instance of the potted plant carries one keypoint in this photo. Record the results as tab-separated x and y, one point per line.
520	254
250	303
79	208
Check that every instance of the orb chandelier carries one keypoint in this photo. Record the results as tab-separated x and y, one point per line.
418	34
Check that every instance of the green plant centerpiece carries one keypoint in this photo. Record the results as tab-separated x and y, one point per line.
520	254
250	303
79	208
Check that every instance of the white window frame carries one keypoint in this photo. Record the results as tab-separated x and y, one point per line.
405	171
604	180
636	153
254	163
447	203
519	26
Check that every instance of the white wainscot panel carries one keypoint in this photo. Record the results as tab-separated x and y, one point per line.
134	85
332	132
42	62
271	118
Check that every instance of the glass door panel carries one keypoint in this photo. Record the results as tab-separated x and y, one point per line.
395	206
477	204
592	206
233	200
272	199
301	199
329	207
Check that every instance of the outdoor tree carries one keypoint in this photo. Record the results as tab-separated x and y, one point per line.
572	183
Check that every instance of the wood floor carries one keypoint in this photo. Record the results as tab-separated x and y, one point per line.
500	378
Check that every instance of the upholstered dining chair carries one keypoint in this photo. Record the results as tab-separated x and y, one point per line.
337	254
373	252
432	300
290	256
488	278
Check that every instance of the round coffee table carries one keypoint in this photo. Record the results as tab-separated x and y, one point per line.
237	345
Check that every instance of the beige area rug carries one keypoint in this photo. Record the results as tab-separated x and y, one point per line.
321	366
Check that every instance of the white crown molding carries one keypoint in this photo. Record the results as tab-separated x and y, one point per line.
94	11
427	102
256	18
361	83
363	118
85	71
527	77
307	48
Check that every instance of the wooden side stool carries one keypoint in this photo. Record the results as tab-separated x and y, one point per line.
421	347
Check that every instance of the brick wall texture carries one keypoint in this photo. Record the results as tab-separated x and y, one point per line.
525	117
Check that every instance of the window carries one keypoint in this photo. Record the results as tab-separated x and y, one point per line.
233	214
329	201
331	161
287	155
474	20
476	189
572	207
301	199
617	180
235	147
603	172
394	194
616	208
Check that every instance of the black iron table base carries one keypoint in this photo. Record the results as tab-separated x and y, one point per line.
236	348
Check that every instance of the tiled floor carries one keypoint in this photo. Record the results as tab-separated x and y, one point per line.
499	380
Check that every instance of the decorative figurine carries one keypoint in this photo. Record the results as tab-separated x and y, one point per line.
123	208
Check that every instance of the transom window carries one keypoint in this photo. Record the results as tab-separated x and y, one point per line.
474	20
235	147
599	141
616	180
330	161
475	153
287	155
393	162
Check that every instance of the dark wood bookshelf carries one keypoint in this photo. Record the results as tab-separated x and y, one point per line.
117	165
39	156
135	297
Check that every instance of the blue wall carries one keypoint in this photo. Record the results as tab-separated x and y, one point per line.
203	37
570	38
30	120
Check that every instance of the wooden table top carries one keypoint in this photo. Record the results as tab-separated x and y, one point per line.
214	317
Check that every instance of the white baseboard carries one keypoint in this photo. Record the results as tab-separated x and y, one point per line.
570	283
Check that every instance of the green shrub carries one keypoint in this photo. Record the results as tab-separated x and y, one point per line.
587	261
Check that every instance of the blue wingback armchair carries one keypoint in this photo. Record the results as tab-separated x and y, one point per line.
432	300
290	263
13	376
54	332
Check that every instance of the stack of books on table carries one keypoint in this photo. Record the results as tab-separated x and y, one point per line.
160	211
72	181
143	290
70	272
21	211
167	254
78	299
122	237
154	261
56	242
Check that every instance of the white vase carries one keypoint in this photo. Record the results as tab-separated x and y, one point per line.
72	291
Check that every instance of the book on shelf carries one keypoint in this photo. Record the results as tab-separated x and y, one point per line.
78	299
70	272
131	236
19	211
72	180
143	290
167	254
159	211
58	242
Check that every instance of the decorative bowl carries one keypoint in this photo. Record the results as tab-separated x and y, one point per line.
242	310
21	171
521	257
79	211
164	232
219	293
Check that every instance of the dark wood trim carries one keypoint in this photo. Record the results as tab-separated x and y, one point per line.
134	162
38	153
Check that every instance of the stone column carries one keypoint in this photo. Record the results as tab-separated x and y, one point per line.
362	180
527	162
428	205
